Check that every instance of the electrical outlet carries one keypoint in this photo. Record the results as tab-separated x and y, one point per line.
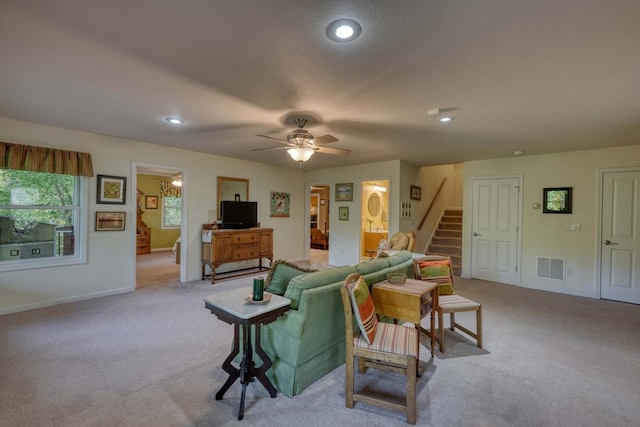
569	271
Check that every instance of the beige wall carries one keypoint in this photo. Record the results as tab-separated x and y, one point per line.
545	235
111	255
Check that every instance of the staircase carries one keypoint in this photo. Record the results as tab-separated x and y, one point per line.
447	240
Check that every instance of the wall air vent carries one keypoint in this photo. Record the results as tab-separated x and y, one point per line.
550	268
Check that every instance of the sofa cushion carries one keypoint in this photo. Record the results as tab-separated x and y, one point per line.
399	258
313	280
369	266
363	309
280	273
438	271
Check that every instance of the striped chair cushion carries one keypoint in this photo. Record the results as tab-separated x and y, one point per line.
363	309
391	338
456	302
439	272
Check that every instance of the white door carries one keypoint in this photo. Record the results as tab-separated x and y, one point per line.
620	240
494	241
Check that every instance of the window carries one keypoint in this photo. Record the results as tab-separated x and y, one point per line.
171	212
40	218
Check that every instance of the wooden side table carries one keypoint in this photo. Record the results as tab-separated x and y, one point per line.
231	307
409	302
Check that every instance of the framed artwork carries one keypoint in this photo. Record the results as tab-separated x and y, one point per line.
151	202
557	200
110	221
344	192
343	213
415	192
280	204
112	190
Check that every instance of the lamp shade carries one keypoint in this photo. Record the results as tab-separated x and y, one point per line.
300	154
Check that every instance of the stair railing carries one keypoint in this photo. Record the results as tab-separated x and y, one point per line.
424	218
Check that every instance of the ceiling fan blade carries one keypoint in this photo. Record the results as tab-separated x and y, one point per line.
276	139
270	148
338	151
324	139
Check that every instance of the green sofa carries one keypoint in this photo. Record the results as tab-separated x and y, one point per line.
307	342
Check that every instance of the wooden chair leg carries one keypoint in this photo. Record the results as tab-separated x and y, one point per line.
452	321
412	366
441	331
479	326
348	382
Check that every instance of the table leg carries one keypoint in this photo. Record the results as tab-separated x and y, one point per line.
246	367
234	373
266	364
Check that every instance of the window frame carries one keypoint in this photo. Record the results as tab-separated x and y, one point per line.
163	225
80	223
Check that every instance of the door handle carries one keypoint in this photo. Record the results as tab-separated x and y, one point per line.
609	242
477	235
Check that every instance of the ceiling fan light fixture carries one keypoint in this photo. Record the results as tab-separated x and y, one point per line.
343	30
177	180
300	154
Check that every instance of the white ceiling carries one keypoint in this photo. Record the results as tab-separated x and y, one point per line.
539	76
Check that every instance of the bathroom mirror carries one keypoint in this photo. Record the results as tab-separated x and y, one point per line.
373	204
232	189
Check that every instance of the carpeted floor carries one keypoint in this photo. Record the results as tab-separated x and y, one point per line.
153	357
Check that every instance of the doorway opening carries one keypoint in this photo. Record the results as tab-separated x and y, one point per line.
158	227
319	223
375	216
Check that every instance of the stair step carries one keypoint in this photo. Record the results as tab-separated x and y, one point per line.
449	233
454	212
452	219
448	241
445	249
450	225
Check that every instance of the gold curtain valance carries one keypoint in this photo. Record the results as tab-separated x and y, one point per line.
42	159
167	189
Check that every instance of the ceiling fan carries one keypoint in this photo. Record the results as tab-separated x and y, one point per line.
301	144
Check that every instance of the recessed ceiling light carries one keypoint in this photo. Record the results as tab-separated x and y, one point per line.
174	120
343	30
446	119
518	153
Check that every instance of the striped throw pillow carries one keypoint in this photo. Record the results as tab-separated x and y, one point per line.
364	310
439	272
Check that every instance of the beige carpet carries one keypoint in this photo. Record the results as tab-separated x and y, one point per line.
153	357
157	269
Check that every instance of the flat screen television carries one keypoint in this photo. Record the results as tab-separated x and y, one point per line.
238	214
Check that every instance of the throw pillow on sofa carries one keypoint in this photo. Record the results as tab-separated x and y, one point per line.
280	273
363	309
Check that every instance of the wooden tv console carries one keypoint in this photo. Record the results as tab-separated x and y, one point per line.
237	245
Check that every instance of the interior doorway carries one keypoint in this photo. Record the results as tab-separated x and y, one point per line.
375	216
319	223
158	225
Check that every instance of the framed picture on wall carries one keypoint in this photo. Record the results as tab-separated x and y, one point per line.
151	202
112	190
344	192
110	221
557	200
343	213
415	192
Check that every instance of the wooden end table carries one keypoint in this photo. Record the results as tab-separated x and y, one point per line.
409	302
231	307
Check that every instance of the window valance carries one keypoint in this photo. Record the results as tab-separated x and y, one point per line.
169	190
42	159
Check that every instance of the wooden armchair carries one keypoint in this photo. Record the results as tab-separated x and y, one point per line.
318	239
382	346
